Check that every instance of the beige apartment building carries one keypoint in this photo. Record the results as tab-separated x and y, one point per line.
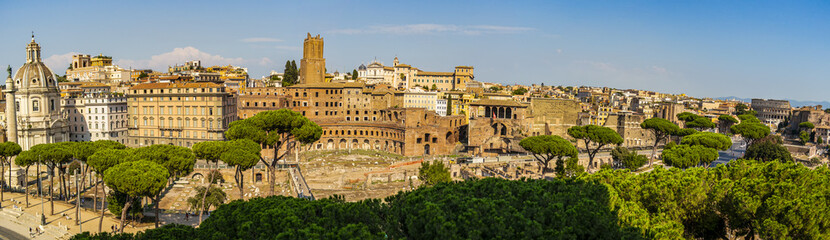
180	114
445	81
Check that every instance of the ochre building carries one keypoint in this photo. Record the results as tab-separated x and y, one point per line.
180	114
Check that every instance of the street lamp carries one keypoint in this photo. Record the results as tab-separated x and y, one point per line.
40	193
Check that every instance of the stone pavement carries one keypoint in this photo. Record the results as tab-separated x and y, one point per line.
57	226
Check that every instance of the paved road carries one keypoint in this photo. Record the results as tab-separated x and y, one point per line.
8	234
737	150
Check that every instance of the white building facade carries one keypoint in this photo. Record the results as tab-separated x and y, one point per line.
38	117
94	117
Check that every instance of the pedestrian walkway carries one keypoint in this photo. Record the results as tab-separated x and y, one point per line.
64	217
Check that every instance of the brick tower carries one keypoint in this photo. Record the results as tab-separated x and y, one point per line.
313	65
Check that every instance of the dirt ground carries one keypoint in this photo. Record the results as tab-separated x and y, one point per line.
345	173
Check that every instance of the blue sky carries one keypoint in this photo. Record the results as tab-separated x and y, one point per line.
768	49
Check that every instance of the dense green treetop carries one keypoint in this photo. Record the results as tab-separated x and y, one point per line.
107	158
708	139
682	132
520	91
209	150
596	134
52	154
806	125
661	126
768	150
242	156
741	199
548	145
727	118
137	178
434	173
700	123
266	127
685	156
8	149
750	130
177	160
749	118
26	158
687	116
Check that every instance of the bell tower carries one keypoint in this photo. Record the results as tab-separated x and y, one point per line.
313	65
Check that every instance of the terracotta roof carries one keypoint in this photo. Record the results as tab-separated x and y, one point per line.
434	73
175	85
467	67
497	94
388	68
92	84
493	102
329	85
403	65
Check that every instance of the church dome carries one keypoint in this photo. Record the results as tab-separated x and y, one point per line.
34	74
362	67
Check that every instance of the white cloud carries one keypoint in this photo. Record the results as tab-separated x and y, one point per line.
425	28
179	56
261	39
58	63
265	61
659	69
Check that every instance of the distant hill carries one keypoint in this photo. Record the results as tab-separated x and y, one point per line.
794	103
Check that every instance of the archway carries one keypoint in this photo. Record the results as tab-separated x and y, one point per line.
330	144
426	149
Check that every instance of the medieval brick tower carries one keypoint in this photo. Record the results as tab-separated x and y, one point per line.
313	65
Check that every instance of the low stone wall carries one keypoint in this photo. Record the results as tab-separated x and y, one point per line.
26	219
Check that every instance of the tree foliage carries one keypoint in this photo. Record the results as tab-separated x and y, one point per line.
740	109
431	174
740	200
726	121
685	156
242	154
546	148
661	129
708	139
135	179
806	125
804	137
215	197
768	149
177	160
625	158
598	135
291	74
275	128
520	91
700	123
750	128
